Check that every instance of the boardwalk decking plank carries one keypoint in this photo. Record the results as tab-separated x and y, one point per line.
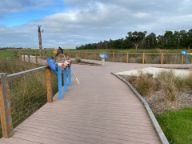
101	110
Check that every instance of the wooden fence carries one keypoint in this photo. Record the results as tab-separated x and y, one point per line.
144	58
6	98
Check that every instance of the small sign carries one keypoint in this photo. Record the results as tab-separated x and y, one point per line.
183	52
104	56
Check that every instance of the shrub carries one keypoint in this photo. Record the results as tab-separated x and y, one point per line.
144	83
168	84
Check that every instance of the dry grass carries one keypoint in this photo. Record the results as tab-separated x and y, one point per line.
14	65
28	93
168	83
144	83
165	92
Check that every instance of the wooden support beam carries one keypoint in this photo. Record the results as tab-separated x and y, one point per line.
162	58
24	57
36	59
143	58
85	55
182	59
127	58
113	59
49	85
29	58
5	107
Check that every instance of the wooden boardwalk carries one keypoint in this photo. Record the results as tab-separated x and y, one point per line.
101	110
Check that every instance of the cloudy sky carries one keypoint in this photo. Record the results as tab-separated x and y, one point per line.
69	23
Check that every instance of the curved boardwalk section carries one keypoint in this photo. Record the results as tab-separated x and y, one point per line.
101	110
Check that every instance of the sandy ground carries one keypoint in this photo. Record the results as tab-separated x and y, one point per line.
155	71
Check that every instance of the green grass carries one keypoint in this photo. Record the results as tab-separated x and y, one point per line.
177	125
8	53
15	65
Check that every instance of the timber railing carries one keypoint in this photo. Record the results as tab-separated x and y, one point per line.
22	93
125	57
144	58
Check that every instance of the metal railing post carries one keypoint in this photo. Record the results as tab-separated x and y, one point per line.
5	107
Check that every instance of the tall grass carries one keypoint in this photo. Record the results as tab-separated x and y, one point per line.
8	53
14	65
167	82
28	93
144	83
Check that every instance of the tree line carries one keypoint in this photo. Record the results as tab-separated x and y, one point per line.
142	40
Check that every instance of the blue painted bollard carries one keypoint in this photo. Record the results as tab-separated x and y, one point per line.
63	68
69	75
65	79
59	74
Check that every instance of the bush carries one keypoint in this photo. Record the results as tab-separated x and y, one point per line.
168	84
144	83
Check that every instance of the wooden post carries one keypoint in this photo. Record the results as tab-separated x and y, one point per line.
85	55
113	57
24	57
127	59
162	57
96	56
182	59
5	107
29	58
36	59
49	85
143	58
19	54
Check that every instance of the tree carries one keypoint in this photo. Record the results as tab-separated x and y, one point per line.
151	41
137	38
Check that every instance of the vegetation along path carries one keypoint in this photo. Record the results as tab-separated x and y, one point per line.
101	110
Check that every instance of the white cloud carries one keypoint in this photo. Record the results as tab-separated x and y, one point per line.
94	20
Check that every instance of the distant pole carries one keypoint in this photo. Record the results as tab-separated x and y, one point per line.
40	37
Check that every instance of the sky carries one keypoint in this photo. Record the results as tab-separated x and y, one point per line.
71	23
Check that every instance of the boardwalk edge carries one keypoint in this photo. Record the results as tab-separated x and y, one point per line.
154	121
